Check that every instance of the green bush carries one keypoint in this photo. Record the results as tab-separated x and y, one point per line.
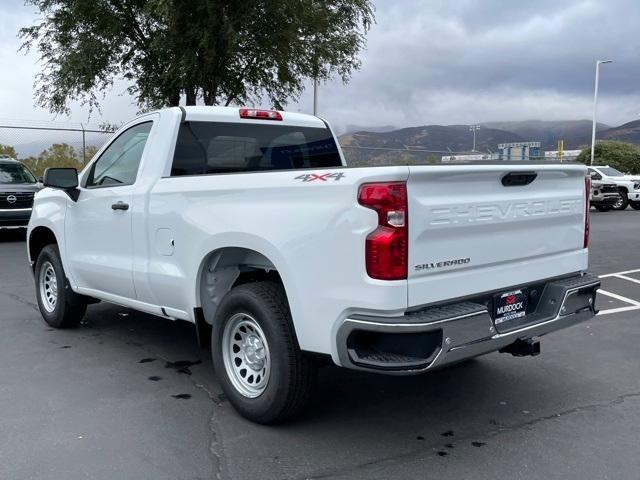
621	155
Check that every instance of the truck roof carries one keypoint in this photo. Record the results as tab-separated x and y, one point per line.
232	114
7	160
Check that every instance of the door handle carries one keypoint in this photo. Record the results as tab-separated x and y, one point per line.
120	206
518	179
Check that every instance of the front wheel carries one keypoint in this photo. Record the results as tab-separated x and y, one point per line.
623	201
59	305
256	355
635	205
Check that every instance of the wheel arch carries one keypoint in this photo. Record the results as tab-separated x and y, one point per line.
39	238
224	268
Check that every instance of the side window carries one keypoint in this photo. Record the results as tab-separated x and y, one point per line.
118	164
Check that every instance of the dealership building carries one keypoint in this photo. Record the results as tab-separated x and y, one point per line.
519	151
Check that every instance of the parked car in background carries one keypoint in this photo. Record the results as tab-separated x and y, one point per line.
604	195
17	189
628	185
249	224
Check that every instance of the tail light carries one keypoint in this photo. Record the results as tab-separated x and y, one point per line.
587	200
260	114
387	247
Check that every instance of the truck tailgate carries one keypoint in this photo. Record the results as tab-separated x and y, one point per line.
469	233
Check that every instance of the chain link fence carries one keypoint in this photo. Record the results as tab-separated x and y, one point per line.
41	145
359	156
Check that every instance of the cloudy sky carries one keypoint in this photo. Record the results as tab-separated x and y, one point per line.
434	62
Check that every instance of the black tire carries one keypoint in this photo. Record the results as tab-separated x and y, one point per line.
69	308
292	376
623	203
602	208
635	205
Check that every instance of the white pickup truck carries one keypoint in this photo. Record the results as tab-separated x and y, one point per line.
628	185
249	224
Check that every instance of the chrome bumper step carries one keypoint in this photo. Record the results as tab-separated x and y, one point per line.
436	336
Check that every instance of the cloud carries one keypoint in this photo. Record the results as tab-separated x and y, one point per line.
469	61
438	62
19	71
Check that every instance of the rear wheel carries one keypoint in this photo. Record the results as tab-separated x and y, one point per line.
623	201
256	355
635	205
602	208
59	306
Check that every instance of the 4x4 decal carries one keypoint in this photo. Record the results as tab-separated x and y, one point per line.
311	177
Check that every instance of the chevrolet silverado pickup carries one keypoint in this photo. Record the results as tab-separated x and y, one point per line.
628	185
249	224
604	196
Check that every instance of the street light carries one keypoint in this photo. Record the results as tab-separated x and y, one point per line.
474	129
315	96
595	104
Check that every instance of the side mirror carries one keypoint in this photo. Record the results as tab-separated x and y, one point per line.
595	176
63	179
40	180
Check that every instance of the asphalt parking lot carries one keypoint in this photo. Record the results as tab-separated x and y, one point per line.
130	396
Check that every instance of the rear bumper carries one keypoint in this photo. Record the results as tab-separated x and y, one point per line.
442	335
15	218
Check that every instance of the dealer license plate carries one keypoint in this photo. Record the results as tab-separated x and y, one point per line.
509	306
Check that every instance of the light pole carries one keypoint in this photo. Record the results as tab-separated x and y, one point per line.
474	129
595	104
315	96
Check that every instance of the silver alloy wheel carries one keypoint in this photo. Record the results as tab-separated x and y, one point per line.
245	353
618	203
48	287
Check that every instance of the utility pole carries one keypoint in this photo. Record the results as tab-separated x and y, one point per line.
315	96
560	149
595	105
84	147
474	129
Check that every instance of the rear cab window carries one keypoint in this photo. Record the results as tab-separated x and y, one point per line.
204	148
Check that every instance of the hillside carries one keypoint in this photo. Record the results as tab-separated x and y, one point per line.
367	147
575	133
629	132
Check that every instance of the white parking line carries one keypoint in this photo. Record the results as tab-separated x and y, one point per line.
619	297
620	273
618	310
623	277
634	305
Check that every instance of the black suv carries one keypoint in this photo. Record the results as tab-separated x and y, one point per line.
17	188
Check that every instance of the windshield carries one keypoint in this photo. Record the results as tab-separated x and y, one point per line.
611	172
15	173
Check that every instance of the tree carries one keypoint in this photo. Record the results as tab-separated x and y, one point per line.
57	155
623	156
8	151
89	152
215	51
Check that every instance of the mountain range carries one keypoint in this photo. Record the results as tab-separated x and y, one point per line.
376	145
